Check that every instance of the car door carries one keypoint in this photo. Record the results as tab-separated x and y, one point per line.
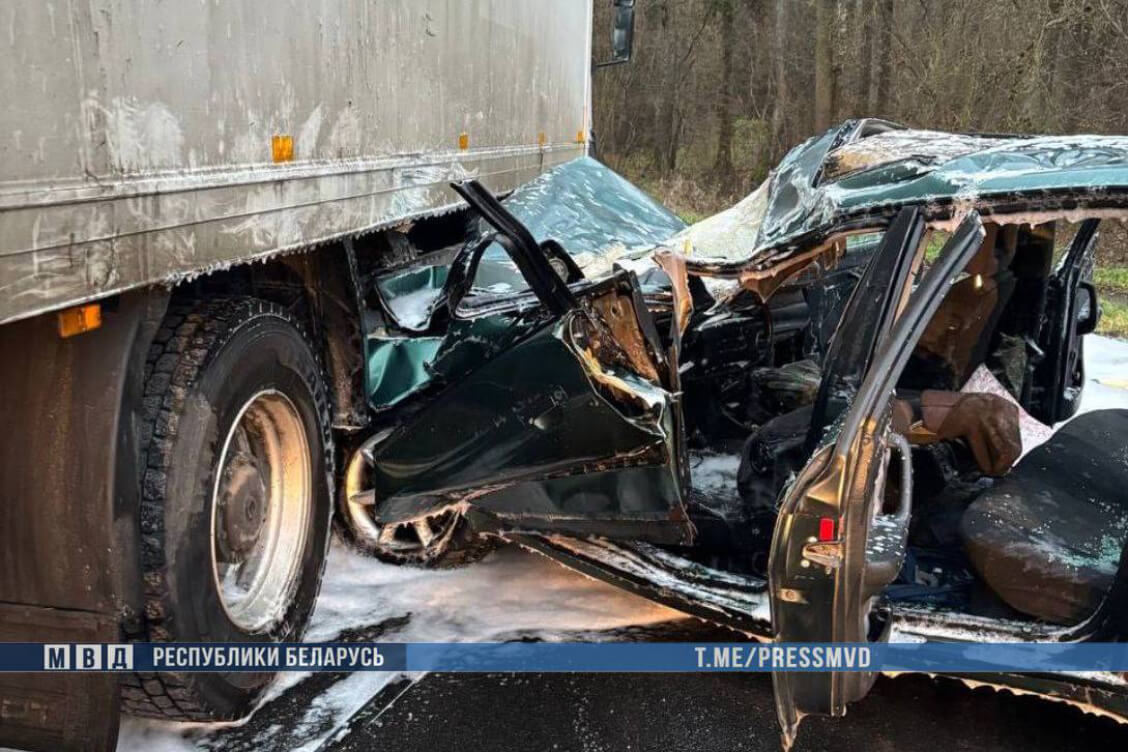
1071	313
838	541
557	407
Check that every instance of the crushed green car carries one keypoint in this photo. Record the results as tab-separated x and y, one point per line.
751	419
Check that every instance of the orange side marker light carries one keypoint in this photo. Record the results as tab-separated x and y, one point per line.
80	319
282	148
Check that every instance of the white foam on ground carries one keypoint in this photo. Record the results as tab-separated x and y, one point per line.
715	472
510	593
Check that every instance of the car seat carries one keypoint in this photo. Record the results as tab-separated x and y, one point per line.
1049	536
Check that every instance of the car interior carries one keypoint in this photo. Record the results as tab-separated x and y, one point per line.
1038	538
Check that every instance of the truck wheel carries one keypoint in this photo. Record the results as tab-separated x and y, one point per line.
443	540
236	495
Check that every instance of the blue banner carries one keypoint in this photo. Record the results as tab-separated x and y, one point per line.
567	657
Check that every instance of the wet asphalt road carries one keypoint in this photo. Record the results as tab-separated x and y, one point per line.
672	713
707	712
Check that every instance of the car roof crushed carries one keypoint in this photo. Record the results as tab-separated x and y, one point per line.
860	172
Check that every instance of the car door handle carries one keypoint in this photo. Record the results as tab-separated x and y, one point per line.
888	534
905	506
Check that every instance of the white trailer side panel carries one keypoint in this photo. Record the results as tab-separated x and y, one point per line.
138	138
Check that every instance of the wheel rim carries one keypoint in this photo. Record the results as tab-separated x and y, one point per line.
260	511
417	539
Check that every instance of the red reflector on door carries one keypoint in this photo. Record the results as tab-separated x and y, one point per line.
826	529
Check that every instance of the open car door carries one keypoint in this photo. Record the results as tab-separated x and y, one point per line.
1071	313
843	523
557	407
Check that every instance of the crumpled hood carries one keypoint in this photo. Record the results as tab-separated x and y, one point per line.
595	213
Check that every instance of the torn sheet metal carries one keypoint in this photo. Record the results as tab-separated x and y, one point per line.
397	367
409	297
673	265
845	173
588	208
401	366
594	213
764	282
597	216
924	149
567	419
856	175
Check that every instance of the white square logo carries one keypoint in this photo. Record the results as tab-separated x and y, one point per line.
119	657
56	657
88	657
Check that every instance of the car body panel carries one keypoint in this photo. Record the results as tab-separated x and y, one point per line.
596	215
531	400
1061	374
554	408
871	309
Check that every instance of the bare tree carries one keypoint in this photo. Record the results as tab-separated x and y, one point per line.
719	89
882	57
779	71
825	71
723	163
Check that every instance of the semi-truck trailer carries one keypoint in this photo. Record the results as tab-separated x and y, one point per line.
180	179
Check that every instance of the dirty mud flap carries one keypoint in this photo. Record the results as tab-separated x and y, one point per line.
57	712
725	598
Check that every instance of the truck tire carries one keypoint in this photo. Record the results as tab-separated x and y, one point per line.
236	489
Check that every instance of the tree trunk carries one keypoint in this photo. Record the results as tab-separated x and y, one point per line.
779	62
722	166
865	58
881	90
825	19
1072	76
665	143
671	160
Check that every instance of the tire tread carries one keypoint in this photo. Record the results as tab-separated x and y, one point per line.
190	335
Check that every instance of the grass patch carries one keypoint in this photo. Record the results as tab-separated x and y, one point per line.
681	196
934	243
1114	319
691	216
1112	292
1113	278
